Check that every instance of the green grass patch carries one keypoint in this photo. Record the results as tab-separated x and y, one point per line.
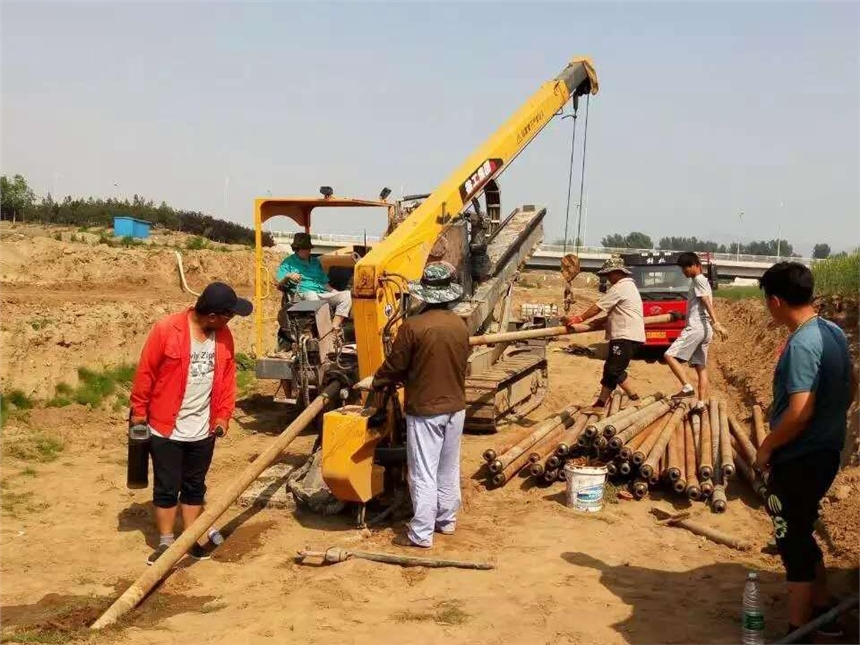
196	244
96	386
738	293
20	400
839	275
40	322
444	613
28	472
36	446
128	241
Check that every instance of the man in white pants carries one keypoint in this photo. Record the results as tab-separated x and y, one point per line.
429	357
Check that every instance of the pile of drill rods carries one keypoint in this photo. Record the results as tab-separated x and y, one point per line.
691	452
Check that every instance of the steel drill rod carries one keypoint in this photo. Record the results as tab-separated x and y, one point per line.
749	474
679	485
614	403
594	429
616	425
571	436
643	420
639	488
693	490
696	426
745	446
706	460
706	488
706	531
562	477
546	446
759	428
823	619
551	332
503	477
539	432
714	420
151	577
335	554
550	476
649	438
726	462
662	441
490	454
624	468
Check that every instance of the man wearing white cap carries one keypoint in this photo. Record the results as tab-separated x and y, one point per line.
625	327
429	357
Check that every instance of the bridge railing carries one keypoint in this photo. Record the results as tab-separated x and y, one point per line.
337	238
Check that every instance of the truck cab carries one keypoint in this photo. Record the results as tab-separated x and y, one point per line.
663	288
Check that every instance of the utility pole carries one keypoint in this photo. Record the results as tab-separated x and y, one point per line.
740	222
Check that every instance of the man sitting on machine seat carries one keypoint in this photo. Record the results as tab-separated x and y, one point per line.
305	275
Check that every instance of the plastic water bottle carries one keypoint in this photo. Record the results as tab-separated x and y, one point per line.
215	537
752	620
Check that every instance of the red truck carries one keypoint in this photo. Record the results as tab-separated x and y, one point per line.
663	288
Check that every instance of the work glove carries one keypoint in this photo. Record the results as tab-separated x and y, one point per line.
570	321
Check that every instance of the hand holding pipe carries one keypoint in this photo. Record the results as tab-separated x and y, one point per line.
550	332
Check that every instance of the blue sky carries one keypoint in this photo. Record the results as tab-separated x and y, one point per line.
704	109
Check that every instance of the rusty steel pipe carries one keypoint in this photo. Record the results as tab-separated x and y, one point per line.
536	469
571	436
639	488
759	427
539	432
550	476
654	413
676	452
552	332
696	426
631	416
553	461
706	468
561	476
706	489
490	454
693	490
745	447
594	429
714	419
718	499
611	469
648	438
614	403
601	442
749	474
546	446
662	441
727	464
624	468
504	476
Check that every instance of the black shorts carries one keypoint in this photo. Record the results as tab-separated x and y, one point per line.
179	469
615	368
794	489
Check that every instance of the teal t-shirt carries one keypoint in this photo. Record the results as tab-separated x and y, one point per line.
313	275
815	359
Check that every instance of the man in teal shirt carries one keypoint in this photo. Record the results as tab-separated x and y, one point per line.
306	275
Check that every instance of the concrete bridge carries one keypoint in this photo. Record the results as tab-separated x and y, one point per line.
548	256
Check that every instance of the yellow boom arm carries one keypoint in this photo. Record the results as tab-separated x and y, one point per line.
404	252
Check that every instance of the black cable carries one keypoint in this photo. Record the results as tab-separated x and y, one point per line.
570	172
582	177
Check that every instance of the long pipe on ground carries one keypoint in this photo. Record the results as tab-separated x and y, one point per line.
749	474
680	485
145	583
571	435
696	426
649	438
621	433
745	446
726	462
546	446
823	619
706	468
719	502
626	451
543	429
584	437
706	531
759	428
659	448
614	403
617	425
639	488
676	452
693	490
594	429
490	454
551	332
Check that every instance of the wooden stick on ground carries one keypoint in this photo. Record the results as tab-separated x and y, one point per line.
335	554
706	531
759	428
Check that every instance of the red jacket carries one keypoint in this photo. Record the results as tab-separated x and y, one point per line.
159	383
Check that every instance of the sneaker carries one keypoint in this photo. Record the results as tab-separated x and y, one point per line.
403	540
159	551
448	530
199	552
699	406
686	392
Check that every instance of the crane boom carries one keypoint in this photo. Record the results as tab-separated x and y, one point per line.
404	252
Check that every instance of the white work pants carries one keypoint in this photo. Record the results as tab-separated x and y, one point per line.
433	459
340	301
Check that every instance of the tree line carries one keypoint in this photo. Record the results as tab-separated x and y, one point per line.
639	240
18	203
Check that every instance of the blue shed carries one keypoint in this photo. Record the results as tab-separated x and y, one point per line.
130	227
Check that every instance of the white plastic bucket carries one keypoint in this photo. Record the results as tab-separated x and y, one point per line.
585	487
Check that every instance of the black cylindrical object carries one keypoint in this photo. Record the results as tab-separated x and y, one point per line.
138	457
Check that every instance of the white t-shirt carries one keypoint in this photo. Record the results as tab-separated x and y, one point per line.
192	423
623	306
697	315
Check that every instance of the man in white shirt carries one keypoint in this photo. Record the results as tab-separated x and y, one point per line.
625	327
692	345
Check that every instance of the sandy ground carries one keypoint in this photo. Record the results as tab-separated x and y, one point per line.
78	536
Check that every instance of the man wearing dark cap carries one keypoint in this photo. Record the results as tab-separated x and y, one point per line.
305	274
184	391
429	358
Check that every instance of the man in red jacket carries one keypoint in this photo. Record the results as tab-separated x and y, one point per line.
185	389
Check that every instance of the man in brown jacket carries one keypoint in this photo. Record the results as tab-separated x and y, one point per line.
429	357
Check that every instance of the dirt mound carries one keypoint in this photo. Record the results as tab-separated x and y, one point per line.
840	518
